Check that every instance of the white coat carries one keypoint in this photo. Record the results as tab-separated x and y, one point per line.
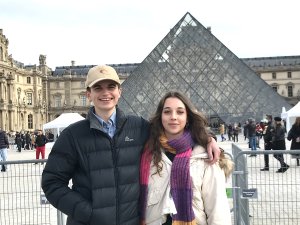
210	203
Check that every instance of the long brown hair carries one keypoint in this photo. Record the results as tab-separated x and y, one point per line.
196	124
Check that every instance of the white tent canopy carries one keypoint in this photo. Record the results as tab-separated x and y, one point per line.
283	113
291	115
57	125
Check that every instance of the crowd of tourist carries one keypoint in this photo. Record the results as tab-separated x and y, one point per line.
23	140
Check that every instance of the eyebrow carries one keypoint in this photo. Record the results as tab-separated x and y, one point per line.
168	107
108	85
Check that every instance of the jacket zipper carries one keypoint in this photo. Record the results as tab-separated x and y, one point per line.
116	178
116	171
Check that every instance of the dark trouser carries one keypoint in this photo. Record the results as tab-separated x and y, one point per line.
19	146
280	145
268	146
27	146
280	158
236	138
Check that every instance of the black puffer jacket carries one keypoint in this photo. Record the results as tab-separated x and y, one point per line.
104	171
269	132
3	140
292	135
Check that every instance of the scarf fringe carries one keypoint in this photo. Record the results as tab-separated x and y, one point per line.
176	222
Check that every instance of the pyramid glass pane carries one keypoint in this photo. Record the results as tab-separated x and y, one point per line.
191	60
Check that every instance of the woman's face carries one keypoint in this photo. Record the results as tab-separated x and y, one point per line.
173	117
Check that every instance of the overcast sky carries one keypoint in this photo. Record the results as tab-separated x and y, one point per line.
125	31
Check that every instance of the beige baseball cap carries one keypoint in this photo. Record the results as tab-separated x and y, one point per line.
99	73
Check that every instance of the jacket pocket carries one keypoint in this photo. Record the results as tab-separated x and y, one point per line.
154	196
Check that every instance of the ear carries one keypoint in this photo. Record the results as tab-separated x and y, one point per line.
120	91
88	95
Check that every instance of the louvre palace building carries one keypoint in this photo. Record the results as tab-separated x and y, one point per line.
189	59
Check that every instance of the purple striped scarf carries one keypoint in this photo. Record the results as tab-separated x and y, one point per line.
180	180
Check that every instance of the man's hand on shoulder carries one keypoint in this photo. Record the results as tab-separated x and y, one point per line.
213	151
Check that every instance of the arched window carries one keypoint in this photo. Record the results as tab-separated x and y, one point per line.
30	121
290	90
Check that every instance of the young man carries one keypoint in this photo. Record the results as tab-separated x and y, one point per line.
101	155
40	143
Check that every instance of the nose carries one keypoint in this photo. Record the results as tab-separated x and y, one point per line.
105	90
173	116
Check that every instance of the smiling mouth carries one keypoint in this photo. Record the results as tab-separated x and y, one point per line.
105	99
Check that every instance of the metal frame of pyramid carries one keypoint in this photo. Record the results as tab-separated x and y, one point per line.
190	59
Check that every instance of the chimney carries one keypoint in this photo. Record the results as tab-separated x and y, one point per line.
209	29
72	63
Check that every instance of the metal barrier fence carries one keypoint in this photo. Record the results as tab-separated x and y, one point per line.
259	197
22	201
265	197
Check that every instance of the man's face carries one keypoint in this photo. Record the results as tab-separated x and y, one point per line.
105	96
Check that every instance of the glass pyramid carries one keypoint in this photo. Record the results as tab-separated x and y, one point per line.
190	59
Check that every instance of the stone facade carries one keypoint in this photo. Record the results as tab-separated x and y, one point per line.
23	92
281	73
31	96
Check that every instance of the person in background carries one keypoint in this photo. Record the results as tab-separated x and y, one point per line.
40	145
101	155
252	136
11	140
4	145
27	141
240	126
236	130
32	137
246	130
267	135
258	134
222	132
230	131
50	136
22	139
278	141
18	141
177	185
294	136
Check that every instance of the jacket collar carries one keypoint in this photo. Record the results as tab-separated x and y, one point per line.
94	122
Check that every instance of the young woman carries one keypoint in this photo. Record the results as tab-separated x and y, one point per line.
178	185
